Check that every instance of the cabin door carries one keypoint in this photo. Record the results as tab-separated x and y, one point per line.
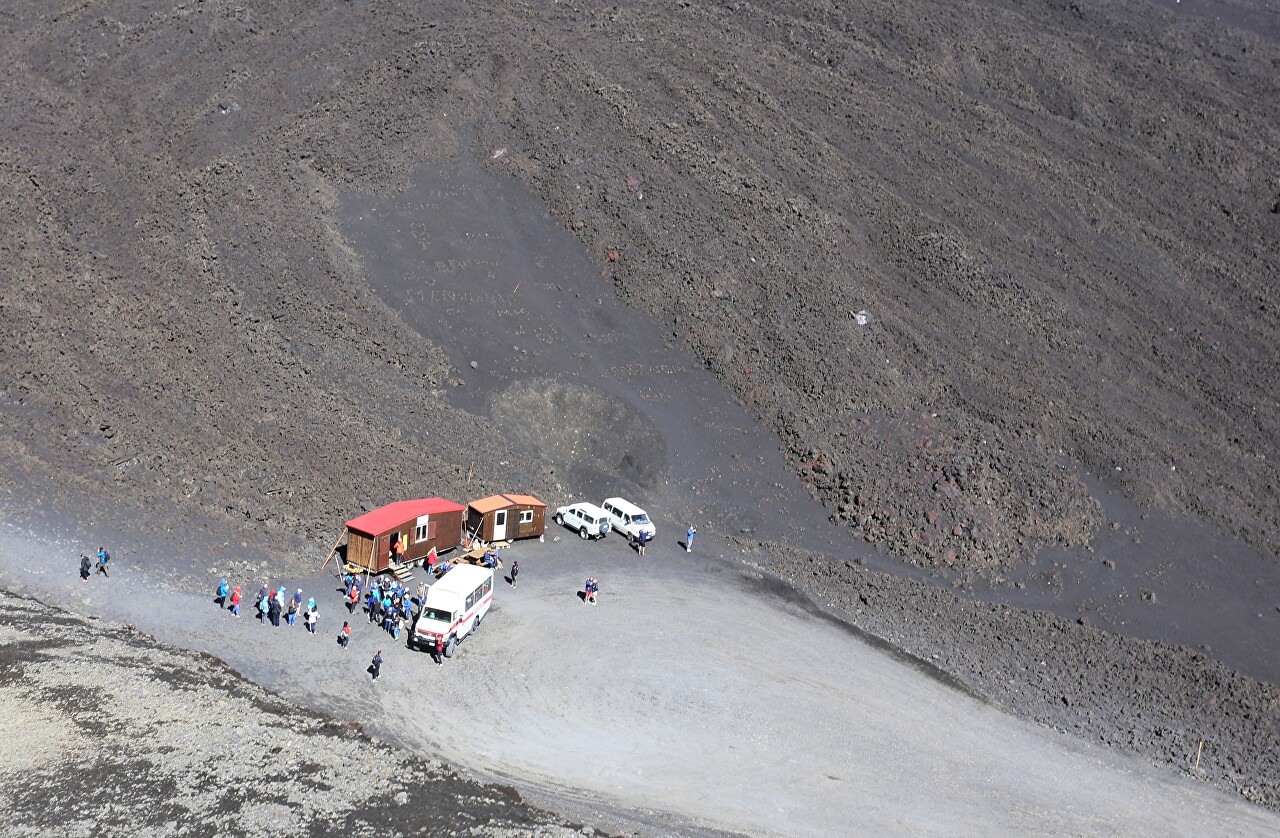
500	525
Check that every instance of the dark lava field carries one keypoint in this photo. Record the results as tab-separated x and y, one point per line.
970	264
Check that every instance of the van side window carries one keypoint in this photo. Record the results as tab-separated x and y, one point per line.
471	600
488	586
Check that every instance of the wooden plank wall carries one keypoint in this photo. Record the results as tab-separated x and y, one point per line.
358	549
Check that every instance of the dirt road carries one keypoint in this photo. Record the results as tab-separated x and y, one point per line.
690	699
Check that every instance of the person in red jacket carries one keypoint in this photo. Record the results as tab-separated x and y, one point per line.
235	602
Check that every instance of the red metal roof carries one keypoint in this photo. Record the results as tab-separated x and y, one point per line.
402	511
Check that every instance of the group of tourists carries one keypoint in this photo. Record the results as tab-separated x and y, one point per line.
271	605
390	606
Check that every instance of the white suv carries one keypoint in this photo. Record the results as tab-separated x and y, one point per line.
587	519
629	519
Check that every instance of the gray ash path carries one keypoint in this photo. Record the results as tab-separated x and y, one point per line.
630	716
596	391
107	732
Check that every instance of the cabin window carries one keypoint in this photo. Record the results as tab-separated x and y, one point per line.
425	531
526	516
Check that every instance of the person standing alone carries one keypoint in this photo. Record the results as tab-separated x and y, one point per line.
515	571
688	540
84	567
376	666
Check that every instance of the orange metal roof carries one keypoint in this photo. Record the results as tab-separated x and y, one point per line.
486	505
402	511
525	500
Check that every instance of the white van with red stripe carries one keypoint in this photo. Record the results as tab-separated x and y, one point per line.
454	607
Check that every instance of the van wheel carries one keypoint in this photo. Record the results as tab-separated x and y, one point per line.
450	647
560	520
582	533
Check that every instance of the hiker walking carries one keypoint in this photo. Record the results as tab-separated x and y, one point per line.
312	619
344	637
515	571
84	567
103	558
235	602
688	540
223	590
377	665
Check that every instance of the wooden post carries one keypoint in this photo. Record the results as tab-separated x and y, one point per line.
1199	751
333	549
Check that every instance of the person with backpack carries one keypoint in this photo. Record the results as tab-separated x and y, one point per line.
376	666
223	590
344	637
295	605
103	558
264	606
84	567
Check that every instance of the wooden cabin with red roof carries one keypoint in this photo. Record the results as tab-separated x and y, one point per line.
423	524
506	517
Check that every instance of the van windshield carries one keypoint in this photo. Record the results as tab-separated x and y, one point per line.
437	614
642	518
